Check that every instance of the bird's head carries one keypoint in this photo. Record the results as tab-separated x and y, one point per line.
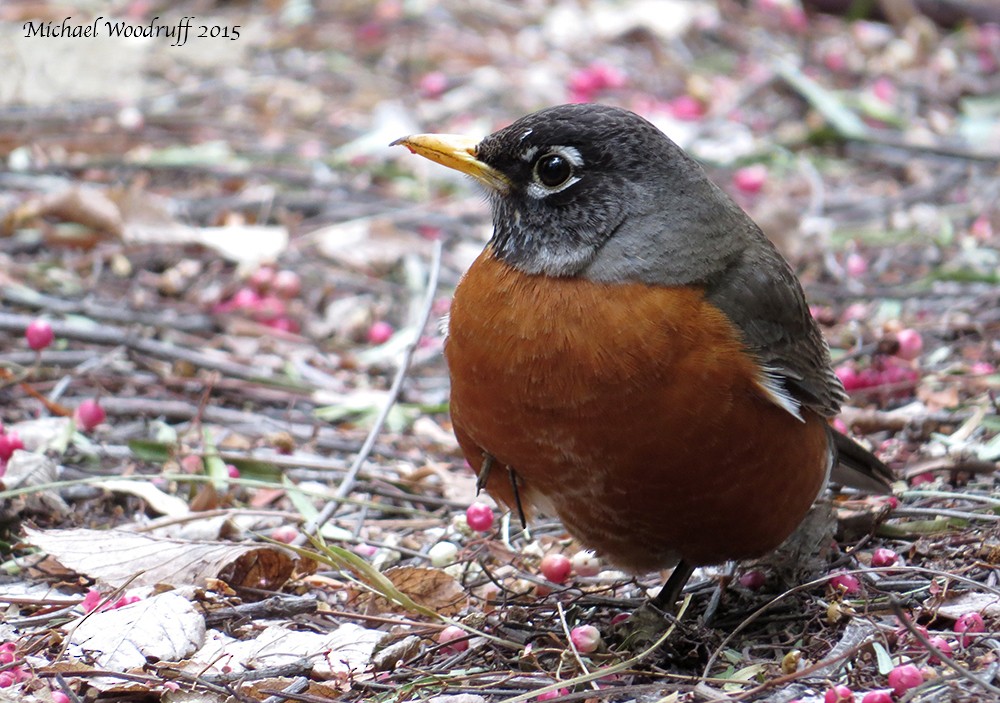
595	191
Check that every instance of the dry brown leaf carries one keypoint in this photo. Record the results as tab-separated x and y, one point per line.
116	557
429	587
81	204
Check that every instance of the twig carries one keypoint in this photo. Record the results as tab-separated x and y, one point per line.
161	350
166	318
347	483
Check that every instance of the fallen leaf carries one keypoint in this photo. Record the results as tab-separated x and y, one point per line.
431	588
165	627
116	557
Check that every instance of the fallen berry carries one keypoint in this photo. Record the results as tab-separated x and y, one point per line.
454	638
443	554
855	265
549	695
555	567
39	334
232	471
380	332
89	414
847	584
686	108
244	298
883	696
884	557
970	622
286	534
586	563
849	377
904	677
943	646
884	89
7	679
479	516
433	84
261	279
910	344
59	697
9	443
585	638
754	580
750	179
838	694
287	284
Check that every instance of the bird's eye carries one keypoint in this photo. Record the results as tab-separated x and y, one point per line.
552	170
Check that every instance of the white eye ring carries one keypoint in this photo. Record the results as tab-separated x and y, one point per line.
568	157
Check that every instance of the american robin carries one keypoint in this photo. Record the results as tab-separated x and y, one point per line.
632	354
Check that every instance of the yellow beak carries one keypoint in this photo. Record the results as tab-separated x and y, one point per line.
457	152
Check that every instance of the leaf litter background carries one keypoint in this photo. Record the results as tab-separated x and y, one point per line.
151	194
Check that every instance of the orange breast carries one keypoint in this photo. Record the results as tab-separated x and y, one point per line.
629	411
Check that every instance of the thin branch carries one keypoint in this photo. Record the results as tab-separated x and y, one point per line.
347	483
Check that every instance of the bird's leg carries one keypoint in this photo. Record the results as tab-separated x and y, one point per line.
666	599
517	497
484	472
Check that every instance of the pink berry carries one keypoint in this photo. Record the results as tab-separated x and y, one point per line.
287	284
549	695
91	600
59	697
8	647
904	677
285	534
7	657
7	679
882	696
910	344
845	583
556	568
454	638
283	324
9	443
855	265
982	368
687	108
433	84
970	622
585	638
232	471
365	550
380	332
245	298
754	580
479	516
943	646
884	89
884	557
260	280
921	479
838	694
89	414
848	376
619	619
269	307
39	334
750	179
586	563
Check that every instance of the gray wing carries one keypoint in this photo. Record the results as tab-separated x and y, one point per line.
761	295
